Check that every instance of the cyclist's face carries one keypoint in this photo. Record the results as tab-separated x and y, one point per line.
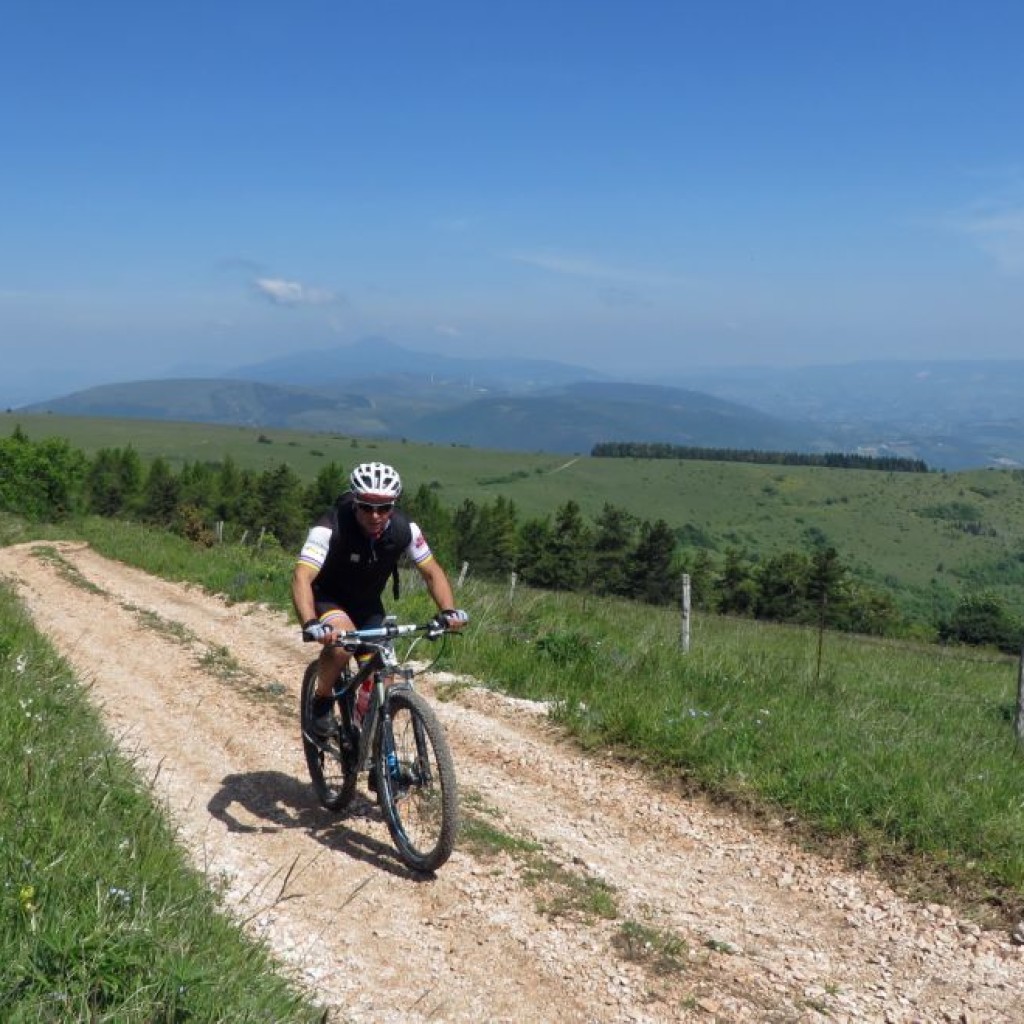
373	518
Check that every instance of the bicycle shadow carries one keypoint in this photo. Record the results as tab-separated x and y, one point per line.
283	802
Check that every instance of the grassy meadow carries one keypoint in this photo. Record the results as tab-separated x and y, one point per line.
926	538
102	918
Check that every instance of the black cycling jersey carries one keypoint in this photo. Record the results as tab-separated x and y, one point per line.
353	568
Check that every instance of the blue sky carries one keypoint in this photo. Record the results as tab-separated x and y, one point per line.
641	188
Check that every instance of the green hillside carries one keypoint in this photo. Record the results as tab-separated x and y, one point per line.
569	418
906	531
587	414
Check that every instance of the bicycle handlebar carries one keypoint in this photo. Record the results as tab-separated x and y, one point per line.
390	631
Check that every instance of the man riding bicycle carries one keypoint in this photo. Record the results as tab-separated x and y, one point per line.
344	565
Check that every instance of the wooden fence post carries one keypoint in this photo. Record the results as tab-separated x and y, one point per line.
1018	719
684	638
511	587
462	574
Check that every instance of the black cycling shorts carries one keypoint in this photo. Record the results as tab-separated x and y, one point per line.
365	616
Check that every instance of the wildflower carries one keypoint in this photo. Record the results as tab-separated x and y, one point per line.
27	896
123	896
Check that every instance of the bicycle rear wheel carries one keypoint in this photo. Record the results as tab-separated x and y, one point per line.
418	795
331	769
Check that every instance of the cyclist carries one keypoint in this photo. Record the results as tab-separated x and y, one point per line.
344	565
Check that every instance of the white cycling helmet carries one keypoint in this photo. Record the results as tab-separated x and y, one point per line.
375	483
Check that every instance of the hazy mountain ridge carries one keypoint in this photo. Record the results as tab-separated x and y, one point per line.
246	403
919	393
952	415
377	357
575	419
563	420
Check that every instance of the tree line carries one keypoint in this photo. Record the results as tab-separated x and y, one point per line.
830	460
615	554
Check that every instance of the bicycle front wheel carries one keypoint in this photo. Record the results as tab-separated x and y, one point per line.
331	769
418	794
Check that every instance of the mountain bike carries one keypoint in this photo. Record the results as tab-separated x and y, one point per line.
399	742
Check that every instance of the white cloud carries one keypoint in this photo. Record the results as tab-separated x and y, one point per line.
447	331
1000	233
575	266
293	293
994	222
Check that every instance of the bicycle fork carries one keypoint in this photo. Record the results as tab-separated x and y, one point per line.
378	733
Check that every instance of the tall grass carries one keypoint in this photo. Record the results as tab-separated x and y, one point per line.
905	751
101	919
904	754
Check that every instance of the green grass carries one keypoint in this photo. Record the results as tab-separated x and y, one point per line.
559	891
902	756
662	951
895	755
103	919
899	752
899	531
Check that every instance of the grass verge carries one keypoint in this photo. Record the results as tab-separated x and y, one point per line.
103	919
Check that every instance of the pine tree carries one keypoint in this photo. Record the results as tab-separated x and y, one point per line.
160	494
465	523
614	531
331	481
737	591
499	525
425	509
651	576
782	589
198	486
825	581
283	511
114	481
534	560
569	548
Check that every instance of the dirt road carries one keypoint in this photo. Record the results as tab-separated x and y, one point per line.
713	920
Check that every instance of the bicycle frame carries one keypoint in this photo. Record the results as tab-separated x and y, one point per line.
384	673
399	740
388	674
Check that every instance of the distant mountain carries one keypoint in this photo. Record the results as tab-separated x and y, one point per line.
246	403
378	357
580	415
952	415
570	419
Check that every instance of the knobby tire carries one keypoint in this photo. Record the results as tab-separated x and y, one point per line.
419	799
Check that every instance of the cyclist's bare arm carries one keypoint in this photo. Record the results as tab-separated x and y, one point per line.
439	587
302	591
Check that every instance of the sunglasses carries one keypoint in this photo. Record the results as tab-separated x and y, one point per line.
365	506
